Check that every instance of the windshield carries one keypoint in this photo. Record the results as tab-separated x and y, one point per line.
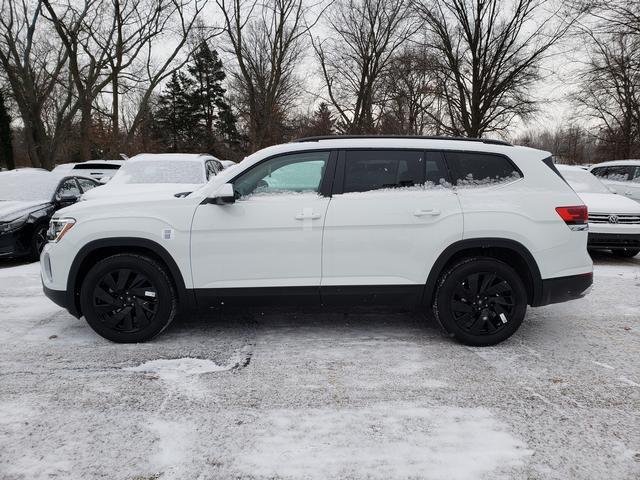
159	171
28	186
584	181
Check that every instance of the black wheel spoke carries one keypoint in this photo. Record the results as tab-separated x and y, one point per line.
487	281
501	287
460	307
105	296
474	283
141	316
123	276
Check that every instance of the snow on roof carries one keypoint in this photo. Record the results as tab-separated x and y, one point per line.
173	157
613	163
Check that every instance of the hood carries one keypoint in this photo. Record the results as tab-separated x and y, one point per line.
609	203
11	209
128	190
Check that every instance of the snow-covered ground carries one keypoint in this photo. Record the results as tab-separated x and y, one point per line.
318	395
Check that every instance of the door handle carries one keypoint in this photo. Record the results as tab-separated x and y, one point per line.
432	212
628	194
308	216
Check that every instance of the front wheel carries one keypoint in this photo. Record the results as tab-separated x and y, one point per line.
480	301
128	298
626	252
38	241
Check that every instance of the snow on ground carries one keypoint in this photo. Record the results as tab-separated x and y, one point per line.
322	395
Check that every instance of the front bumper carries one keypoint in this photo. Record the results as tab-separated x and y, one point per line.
613	240
13	244
563	289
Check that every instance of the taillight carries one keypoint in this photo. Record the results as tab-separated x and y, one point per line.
576	217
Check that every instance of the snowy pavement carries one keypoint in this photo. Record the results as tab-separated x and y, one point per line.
317	395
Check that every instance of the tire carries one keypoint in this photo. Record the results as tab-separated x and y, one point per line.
128	298
38	241
626	252
480	301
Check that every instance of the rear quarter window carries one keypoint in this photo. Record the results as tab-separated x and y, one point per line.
481	169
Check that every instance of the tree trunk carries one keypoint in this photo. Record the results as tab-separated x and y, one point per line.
84	149
115	116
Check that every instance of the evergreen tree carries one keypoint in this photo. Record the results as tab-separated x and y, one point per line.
6	144
322	122
215	115
177	116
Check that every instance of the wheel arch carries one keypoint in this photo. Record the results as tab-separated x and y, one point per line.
511	252
97	250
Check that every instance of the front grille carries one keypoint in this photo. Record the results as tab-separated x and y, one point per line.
613	218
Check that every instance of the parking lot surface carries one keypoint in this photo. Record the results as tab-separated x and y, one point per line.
289	394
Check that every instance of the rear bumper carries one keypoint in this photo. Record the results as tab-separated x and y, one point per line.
563	289
613	240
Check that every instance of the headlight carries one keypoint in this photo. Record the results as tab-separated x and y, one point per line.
10	226
58	227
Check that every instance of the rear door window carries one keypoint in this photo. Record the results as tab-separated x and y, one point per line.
367	170
481	169
620	173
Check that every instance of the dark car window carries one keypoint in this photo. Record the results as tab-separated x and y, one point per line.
68	188
480	168
599	171
367	170
620	173
212	168
87	184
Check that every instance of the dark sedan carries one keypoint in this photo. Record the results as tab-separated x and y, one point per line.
28	199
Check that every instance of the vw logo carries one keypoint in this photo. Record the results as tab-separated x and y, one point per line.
613	218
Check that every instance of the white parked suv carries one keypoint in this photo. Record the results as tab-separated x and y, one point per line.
474	229
620	176
614	220
168	173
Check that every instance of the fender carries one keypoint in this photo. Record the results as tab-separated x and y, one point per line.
185	297
479	244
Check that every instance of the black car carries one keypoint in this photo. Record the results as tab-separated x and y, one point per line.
28	199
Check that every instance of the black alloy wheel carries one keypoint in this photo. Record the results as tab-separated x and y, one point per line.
480	301
38	241
128	298
125	300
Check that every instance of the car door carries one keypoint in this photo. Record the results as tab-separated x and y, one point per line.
270	237
392	213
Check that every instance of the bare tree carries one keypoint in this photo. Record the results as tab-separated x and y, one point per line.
267	41
490	52
179	20
609	91
34	64
412	95
363	36
88	63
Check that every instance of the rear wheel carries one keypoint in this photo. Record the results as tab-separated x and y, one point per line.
480	301
128	298
626	252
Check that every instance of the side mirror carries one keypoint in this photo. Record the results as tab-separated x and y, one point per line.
68	199
224	195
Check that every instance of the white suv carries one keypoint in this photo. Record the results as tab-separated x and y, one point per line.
620	176
475	230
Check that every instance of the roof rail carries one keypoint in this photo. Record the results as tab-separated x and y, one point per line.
419	137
